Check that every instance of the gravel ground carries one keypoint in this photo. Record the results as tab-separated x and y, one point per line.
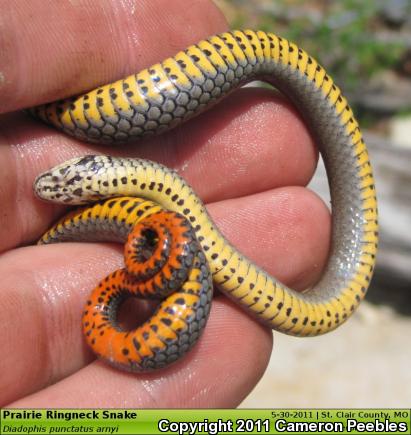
365	363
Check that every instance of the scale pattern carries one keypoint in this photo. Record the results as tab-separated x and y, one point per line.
163	261
170	92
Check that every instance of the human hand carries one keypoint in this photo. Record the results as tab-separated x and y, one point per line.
242	157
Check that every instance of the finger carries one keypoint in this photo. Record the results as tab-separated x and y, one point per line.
253	141
285	231
219	372
45	291
64	48
45	287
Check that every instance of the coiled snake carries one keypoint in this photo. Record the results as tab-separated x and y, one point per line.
155	100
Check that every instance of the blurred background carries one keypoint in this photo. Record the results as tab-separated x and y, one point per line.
366	47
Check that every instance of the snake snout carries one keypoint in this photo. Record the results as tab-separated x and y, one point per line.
42	184
59	183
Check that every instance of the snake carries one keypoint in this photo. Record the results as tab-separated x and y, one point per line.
159	98
163	261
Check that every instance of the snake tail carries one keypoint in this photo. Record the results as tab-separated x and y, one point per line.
163	261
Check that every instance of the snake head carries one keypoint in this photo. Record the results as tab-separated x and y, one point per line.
72	181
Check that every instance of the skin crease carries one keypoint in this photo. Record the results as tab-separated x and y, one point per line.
249	158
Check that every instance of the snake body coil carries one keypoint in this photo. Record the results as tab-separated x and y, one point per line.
180	87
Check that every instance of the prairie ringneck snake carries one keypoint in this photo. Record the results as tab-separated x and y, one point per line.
155	100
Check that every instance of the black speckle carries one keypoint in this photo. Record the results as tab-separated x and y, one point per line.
131	208
78	191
